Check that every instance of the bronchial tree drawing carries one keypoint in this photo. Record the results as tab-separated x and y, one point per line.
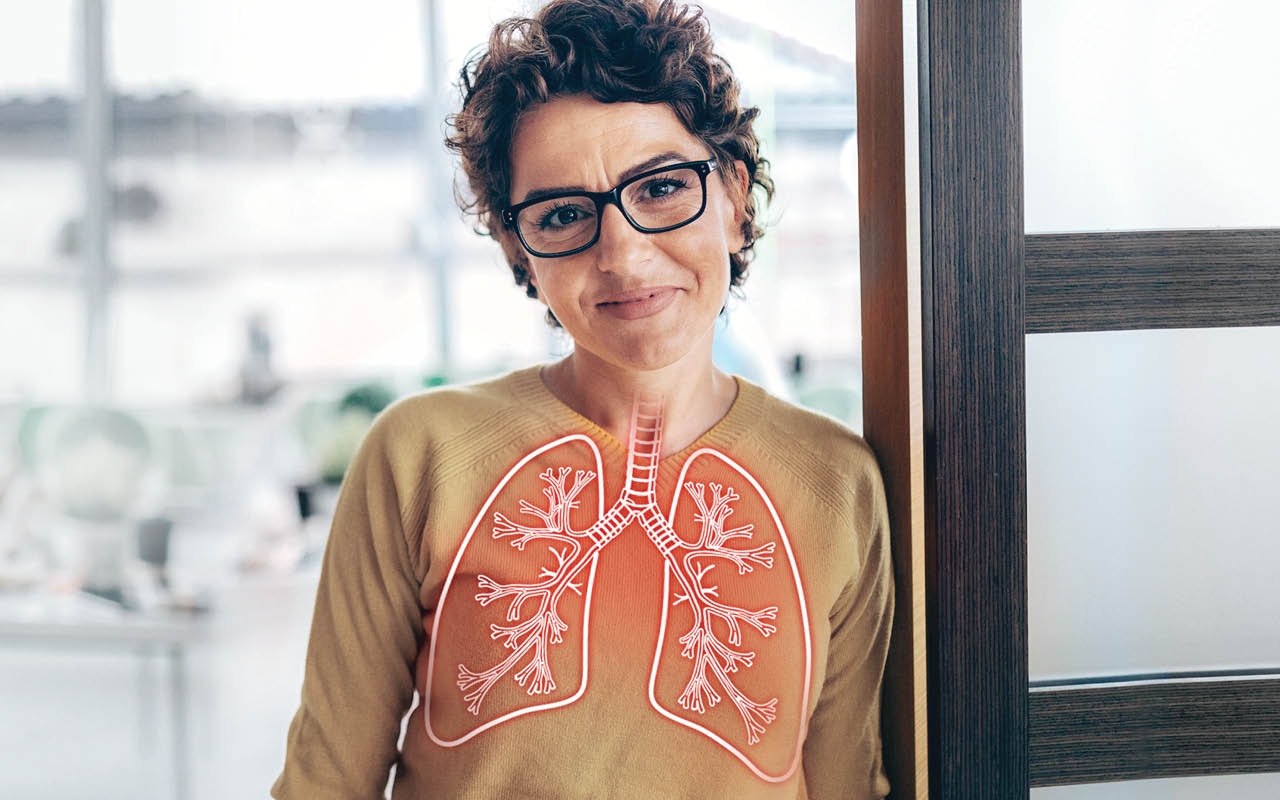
717	571
530	636
701	644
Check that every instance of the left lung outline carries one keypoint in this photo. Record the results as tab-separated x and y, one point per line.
790	621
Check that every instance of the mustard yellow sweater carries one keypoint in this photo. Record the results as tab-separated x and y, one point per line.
571	619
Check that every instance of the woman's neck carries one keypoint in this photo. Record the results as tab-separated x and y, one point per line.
694	393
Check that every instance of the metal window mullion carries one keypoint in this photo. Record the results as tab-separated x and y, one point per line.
434	229
94	240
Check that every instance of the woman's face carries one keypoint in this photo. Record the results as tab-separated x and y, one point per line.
575	141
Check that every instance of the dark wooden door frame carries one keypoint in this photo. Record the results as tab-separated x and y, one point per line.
941	238
972	234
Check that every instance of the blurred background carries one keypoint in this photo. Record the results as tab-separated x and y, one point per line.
228	239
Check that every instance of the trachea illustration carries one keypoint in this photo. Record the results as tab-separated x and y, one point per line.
723	644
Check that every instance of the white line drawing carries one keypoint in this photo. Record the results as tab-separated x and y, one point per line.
713	659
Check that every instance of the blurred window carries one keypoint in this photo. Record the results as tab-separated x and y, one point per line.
305	198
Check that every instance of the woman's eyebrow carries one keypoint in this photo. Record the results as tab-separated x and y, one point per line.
629	172
650	163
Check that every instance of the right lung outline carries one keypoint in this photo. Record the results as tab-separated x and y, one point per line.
443	696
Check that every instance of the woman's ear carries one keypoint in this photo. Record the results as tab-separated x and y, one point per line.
516	257
738	181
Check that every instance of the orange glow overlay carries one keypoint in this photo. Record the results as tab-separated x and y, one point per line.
510	635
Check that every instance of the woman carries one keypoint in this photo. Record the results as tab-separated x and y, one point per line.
625	574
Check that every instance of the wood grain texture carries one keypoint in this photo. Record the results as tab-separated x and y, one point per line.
1159	730
1152	279
974	397
888	202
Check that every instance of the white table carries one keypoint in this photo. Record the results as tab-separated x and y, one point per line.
80	620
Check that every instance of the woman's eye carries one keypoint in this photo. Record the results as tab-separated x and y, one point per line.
663	188
561	217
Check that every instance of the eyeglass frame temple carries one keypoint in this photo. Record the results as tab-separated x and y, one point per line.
703	167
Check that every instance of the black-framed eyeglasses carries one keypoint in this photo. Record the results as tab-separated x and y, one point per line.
657	200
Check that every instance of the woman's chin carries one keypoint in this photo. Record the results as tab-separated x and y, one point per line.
645	352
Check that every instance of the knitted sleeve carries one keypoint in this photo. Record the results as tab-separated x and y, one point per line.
842	751
365	634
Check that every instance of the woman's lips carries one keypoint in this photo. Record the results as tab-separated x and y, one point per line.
645	307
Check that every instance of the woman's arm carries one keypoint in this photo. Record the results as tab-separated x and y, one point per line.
842	751
365	636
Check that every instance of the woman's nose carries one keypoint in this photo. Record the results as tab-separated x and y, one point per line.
621	247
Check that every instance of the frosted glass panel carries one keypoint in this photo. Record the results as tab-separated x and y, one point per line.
1237	787
1153	498
1150	115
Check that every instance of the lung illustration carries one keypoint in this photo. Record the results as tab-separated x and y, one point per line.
510	631
733	658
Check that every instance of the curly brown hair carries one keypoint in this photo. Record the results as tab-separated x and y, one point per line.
614	51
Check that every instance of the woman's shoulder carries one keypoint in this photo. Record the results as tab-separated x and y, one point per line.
820	452
783	423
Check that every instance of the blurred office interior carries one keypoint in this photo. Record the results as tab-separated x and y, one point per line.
228	238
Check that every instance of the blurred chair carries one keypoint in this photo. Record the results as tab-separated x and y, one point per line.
96	470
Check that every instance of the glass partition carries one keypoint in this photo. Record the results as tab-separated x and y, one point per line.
1153	507
1150	116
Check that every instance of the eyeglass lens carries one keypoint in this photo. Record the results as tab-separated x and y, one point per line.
662	200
